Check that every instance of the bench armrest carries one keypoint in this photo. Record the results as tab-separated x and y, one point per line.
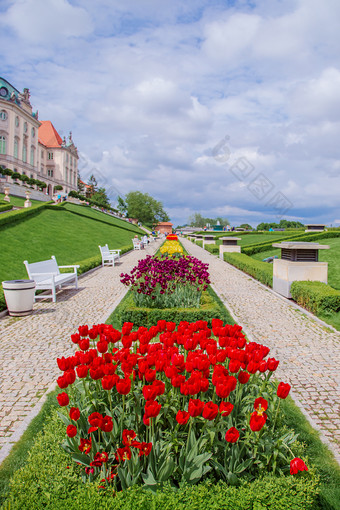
74	267
43	274
115	251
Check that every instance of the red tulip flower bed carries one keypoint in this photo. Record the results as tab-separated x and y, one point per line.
173	403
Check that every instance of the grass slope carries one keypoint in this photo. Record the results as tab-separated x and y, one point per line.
71	235
19	201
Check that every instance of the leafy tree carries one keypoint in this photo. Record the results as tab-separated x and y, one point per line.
122	206
246	226
145	208
92	186
101	198
80	185
197	220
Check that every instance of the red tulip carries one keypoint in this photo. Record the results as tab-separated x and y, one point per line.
182	417
297	465
71	430
82	371
63	399
226	408
232	435
74	413
210	411
128	436
272	364
83	330
152	408
195	407
243	377
257	421
283	390
123	386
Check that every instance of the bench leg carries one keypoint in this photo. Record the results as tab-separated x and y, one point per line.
54	297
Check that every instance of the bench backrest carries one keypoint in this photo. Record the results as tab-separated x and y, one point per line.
104	250
49	266
135	241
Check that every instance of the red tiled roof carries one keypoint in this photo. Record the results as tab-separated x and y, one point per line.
164	223
48	135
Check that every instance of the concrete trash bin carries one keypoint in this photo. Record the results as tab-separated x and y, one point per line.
19	295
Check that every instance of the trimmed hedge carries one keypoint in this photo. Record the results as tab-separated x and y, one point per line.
212	248
50	480
258	248
262	271
199	243
211	307
317	297
5	207
9	218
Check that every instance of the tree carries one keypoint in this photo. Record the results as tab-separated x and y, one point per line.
121	205
246	226
145	208
197	220
92	186
100	198
80	185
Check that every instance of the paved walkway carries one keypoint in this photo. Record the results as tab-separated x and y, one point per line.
309	352
30	345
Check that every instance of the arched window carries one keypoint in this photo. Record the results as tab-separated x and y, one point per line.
3	115
24	153
66	178
16	147
2	145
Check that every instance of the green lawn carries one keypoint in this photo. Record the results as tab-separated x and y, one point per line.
70	237
332	256
19	201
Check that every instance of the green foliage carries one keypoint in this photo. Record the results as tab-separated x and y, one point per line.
197	220
121	205
210	308
49	481
5	207
9	218
262	271
212	248
58	187
199	242
283	224
145	208
100	198
317	297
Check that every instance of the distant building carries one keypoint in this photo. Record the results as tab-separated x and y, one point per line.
32	147
164	227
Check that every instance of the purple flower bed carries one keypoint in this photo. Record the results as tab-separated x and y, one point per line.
154	280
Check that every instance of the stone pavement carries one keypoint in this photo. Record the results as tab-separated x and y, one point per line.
30	345
308	351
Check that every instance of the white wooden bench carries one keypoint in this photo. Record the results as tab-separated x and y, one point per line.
47	276
109	256
137	244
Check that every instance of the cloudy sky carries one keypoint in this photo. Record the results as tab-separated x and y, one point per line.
228	108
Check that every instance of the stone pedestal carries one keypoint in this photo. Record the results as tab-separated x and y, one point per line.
299	262
229	244
27	201
208	239
6	197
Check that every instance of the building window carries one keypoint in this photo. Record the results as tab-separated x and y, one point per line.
50	172
32	156
66	158
70	161
24	153
32	176
66	178
42	154
16	121
42	169
2	145
3	115
50	155
33	132
16	147
25	127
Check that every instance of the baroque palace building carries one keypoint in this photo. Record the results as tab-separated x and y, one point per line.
34	147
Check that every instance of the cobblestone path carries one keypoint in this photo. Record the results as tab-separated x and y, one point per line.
309	352
30	345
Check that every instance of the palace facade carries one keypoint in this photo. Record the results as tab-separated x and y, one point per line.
32	147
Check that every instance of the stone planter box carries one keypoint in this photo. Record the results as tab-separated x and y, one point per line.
229	244
315	228
298	262
208	239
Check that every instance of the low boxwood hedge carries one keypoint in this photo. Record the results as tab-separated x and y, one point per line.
49	480
211	307
262	271
212	248
9	218
5	207
316	297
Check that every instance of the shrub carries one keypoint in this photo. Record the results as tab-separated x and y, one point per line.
7	219
5	207
262	271
212	248
316	297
